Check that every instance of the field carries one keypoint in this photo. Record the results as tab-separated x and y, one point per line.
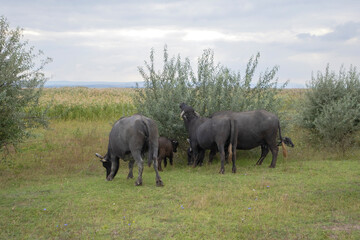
53	187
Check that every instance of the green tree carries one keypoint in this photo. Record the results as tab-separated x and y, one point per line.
331	108
164	91
21	82
213	88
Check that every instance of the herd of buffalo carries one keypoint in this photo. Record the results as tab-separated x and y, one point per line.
222	132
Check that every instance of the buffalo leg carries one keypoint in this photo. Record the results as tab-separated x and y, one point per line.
171	159
159	163
222	156
212	155
114	168
201	157
274	150
264	152
159	182
189	155
194	158
131	166
137	156
165	162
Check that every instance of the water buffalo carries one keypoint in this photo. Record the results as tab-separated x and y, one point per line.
205	133
166	149
264	151
132	135
258	128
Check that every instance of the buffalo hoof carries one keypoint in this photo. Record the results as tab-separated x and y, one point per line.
109	179
222	171
138	183
130	176
271	166
159	183
234	170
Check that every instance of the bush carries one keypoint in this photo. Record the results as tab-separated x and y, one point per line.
21	82
332	106
213	88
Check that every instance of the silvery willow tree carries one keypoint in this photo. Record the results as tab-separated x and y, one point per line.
331	107
21	82
212	88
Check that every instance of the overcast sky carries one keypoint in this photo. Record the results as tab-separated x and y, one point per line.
107	40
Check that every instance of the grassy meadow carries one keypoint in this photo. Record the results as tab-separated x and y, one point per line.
53	187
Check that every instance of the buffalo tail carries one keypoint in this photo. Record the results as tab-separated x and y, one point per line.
284	150
233	139
282	143
230	152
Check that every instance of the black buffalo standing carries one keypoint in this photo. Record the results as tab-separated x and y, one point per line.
132	135
257	128
207	133
166	149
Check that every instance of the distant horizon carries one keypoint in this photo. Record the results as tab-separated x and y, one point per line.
104	84
92	84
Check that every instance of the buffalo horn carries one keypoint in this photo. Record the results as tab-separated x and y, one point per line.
182	113
101	157
197	114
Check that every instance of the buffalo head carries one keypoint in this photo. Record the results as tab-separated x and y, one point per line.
174	144
288	142
188	112
106	163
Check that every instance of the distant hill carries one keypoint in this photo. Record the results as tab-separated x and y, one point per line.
54	84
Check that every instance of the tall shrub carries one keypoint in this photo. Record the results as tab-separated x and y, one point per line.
214	88
21	82
163	91
332	106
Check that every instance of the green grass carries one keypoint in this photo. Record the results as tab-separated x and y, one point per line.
318	199
311	195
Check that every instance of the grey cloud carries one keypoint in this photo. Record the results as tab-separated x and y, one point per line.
70	33
343	32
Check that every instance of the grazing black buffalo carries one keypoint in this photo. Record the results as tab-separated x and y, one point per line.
257	128
136	135
206	133
166	149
